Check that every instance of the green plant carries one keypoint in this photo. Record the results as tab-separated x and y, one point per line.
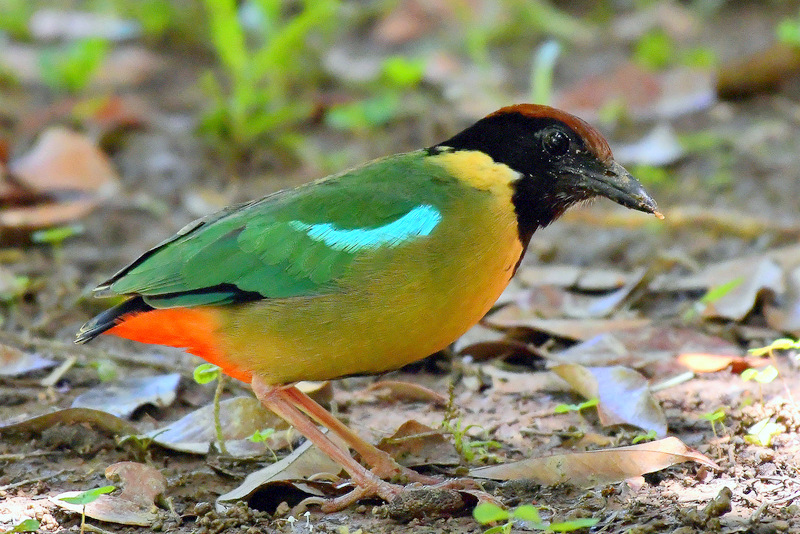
778	344
714	294
72	67
763	431
56	236
14	17
566	408
28	525
717	416
203	374
87	497
470	450
788	31
544	62
261	436
486	513
650	436
256	97
656	50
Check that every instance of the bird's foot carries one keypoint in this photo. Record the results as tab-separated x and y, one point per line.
375	489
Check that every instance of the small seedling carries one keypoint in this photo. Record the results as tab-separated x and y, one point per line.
778	344
87	497
260	436
470	450
29	525
788	31
762	432
714	294
765	376
56	236
486	513
72	68
650	436
203	374
715	417
566	408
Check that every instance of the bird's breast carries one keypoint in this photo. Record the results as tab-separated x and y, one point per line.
396	305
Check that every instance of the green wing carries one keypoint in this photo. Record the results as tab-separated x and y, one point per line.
294	243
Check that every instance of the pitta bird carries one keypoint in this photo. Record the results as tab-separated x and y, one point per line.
364	271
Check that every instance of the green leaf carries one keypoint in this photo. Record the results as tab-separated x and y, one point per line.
714	416
765	376
205	373
565	408
527	512
788	31
261	435
402	72
778	344
762	432
574	524
487	512
642	437
29	525
717	292
88	496
655	50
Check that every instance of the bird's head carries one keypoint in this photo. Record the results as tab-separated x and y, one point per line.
560	160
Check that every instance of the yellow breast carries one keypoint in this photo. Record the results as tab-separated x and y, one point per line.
403	303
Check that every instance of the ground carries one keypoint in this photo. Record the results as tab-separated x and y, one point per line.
732	196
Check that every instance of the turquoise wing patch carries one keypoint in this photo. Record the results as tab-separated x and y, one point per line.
295	243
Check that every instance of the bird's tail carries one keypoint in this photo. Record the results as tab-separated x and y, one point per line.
110	318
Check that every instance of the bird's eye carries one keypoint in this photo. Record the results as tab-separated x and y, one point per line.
555	142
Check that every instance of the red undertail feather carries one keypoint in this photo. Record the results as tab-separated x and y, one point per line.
193	329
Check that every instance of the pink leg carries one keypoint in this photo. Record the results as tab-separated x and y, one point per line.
277	399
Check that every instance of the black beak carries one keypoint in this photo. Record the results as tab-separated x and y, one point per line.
615	183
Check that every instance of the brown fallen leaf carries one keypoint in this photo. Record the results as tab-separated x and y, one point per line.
398	390
415	444
512	317
14	362
141	485
240	417
46	214
125	396
711	363
762	71
594	468
624	395
63	160
304	462
71	416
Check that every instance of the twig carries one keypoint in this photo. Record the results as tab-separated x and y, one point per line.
30	481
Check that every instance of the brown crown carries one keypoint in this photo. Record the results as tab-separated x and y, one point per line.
594	140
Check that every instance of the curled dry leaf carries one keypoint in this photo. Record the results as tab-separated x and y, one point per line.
593	468
398	390
124	397
72	416
415	444
304	462
624	395
141	486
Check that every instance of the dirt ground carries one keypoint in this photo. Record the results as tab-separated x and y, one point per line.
168	177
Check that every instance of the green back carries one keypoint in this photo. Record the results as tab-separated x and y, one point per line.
298	242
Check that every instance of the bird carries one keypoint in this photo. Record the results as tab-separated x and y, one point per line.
364	271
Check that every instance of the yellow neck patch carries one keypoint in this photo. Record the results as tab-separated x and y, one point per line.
478	170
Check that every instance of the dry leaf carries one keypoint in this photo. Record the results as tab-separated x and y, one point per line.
306	461
711	363
593	468
123	397
14	362
406	392
624	395
72	416
415	444
512	316
240	417
63	160
134	505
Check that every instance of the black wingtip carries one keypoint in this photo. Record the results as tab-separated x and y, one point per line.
110	318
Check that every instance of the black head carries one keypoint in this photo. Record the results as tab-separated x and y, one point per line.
561	159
